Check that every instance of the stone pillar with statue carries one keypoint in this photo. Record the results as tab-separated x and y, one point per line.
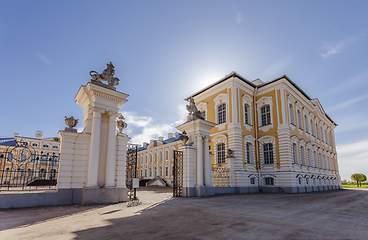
196	157
92	162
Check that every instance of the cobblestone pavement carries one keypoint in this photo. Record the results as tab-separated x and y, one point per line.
328	215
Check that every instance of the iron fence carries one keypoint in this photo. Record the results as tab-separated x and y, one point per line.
23	168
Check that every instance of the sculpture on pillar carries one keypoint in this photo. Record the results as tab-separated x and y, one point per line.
193	111
71	122
121	124
184	137
106	75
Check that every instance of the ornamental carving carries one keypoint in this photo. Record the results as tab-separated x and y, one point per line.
121	124
71	122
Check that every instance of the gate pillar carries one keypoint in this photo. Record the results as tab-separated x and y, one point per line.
93	161
196	158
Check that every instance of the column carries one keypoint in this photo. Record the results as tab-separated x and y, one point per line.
207	163
111	152
94	151
199	161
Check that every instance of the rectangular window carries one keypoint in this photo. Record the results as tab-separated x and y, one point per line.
246	114
221	153
249	153
269	181
295	155
23	157
221	112
266	115
252	181
268	153
166	171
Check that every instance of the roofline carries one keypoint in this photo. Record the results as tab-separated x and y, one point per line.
232	74
235	74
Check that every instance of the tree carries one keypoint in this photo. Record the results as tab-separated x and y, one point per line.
359	178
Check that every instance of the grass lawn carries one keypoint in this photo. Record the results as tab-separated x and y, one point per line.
354	186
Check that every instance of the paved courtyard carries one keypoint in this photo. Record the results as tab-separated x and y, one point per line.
329	215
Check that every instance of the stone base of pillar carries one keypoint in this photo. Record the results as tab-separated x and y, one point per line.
90	196
204	191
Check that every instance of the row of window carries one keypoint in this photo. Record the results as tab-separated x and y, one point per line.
309	126
323	162
33	158
154	173
146	158
265	114
267	153
36	145
30	173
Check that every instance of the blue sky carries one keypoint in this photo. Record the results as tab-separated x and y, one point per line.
164	51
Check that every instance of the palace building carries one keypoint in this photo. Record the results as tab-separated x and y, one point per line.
28	159
279	138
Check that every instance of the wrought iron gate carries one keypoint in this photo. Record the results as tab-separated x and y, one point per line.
178	174
131	173
23	168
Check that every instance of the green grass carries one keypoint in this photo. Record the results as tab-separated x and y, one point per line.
354	186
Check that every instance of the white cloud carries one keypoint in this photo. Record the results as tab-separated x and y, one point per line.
144	128
332	50
347	103
43	58
239	17
278	68
353	158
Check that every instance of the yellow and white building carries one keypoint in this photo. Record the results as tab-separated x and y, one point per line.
155	159
33	157
282	140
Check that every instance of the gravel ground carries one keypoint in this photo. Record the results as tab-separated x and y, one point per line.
339	214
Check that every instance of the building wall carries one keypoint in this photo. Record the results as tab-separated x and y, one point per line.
282	133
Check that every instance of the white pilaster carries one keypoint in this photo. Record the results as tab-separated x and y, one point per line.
111	152
94	151
207	163
199	161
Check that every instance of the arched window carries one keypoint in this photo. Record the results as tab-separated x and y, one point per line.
246	114
150	172
320	160
266	115
302	156
315	159
309	157
300	123
166	171
295	154
268	153
160	156
306	124
52	173
150	158
312	127
317	131
155	157
160	172
252	181
221	113
292	116
155	172
166	155
145	172
146	161
221	153
300	181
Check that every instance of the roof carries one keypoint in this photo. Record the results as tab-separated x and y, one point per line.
252	84
7	141
169	140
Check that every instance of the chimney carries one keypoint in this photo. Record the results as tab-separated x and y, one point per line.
39	134
161	138
170	135
16	135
